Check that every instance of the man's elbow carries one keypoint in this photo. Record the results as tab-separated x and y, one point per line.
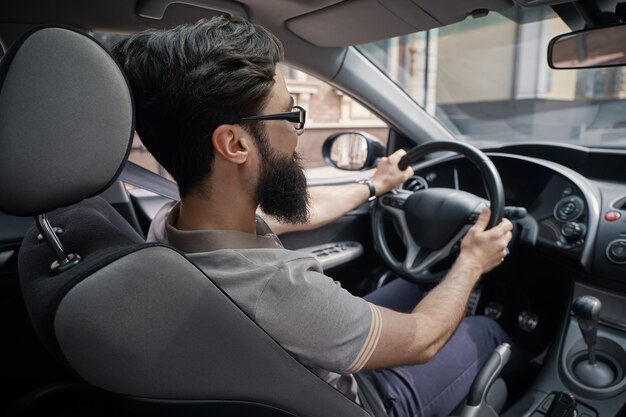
426	354
428	350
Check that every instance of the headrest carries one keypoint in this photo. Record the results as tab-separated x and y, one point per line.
66	121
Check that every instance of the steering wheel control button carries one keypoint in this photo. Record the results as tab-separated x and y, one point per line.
568	208
393	202
616	251
611	216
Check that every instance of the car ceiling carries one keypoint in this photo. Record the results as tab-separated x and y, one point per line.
315	32
320	23
315	21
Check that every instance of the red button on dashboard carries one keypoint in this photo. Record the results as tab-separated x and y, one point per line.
611	216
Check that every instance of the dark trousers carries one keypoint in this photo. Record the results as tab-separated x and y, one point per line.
435	388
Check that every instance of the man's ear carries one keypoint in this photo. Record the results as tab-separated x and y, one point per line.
232	142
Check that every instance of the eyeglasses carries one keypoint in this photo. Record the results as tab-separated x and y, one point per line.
297	117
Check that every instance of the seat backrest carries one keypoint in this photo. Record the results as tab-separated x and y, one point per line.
128	317
139	319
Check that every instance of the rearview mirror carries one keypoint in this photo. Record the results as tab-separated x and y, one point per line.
590	48
352	151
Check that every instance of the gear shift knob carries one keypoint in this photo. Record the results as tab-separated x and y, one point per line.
587	310
593	373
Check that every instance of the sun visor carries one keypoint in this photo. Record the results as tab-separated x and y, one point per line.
352	22
66	121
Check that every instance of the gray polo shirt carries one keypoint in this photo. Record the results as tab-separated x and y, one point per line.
329	330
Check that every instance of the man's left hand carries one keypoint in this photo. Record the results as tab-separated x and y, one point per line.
388	176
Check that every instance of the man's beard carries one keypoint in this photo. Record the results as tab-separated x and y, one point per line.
282	188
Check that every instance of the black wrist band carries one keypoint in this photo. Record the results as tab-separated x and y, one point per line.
370	185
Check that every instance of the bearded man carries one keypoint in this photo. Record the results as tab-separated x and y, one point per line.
215	112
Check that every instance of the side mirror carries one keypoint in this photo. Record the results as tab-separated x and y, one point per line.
352	151
589	48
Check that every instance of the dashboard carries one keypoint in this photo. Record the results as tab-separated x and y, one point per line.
568	213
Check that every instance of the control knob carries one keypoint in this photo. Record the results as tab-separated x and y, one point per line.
572	231
616	251
568	208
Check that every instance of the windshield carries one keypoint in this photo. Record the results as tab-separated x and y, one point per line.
487	80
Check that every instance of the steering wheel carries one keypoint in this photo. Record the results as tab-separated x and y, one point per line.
432	221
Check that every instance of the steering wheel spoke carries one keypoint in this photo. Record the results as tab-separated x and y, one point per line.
419	260
413	253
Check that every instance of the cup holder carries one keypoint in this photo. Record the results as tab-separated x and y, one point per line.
610	355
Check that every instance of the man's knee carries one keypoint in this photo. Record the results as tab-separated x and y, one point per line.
485	329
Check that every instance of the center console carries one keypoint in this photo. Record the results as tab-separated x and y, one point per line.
586	367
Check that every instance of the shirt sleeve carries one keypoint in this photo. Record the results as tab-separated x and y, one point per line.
316	319
371	341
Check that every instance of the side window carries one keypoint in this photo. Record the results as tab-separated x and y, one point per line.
328	111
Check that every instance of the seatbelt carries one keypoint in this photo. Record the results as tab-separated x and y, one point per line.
369	397
141	177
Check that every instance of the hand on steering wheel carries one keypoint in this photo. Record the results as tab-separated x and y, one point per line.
432	222
388	174
486	249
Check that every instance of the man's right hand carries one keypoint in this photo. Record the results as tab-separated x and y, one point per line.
485	249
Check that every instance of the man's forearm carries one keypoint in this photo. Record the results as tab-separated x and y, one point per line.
443	308
418	336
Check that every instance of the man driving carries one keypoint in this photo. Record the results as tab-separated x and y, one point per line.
215	112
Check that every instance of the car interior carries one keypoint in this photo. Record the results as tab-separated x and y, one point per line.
98	321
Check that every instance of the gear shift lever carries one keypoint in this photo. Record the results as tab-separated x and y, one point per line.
587	310
594	373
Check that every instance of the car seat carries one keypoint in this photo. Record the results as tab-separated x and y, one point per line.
136	320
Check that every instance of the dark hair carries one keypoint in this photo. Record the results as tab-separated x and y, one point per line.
190	79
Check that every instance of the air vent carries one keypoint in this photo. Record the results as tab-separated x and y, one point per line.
415	183
620	204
